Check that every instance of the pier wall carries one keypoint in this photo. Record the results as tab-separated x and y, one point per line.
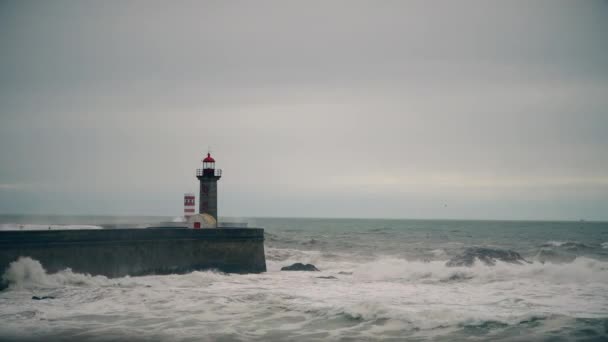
121	252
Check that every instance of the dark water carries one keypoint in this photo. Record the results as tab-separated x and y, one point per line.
414	239
379	280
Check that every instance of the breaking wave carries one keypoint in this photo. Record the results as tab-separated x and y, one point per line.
29	273
578	269
383	297
566	244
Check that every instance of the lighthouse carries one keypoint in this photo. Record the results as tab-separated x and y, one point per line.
208	177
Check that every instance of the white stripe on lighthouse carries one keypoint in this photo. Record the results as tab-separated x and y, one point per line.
189	204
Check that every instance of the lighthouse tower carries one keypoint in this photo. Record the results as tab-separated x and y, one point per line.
208	177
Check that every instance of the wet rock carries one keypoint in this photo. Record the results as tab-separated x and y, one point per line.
488	256
310	242
300	267
42	297
458	276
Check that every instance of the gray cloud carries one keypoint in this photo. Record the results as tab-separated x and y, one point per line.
313	108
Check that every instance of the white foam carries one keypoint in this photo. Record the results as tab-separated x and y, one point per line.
605	245
554	243
388	268
439	253
29	273
17	226
427	297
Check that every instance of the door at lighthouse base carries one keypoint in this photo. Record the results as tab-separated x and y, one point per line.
202	221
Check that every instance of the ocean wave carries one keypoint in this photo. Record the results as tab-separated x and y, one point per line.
329	261
566	244
605	245
29	273
552	243
579	270
287	254
554	256
303	241
438	253
487	255
547	264
270	237
382	298
312	241
386	317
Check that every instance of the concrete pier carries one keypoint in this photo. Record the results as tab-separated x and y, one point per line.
121	252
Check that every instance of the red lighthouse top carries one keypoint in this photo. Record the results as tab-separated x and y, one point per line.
209	159
208	170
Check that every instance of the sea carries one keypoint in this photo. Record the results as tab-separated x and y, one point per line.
378	279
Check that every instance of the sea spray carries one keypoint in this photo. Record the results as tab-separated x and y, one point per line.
25	272
178	219
29	273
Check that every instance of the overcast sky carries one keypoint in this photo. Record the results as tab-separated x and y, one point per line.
402	109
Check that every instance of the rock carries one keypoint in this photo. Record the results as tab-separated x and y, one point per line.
42	297
300	267
311	242
488	256
458	276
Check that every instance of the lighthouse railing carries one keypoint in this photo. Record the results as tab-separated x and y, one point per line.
205	172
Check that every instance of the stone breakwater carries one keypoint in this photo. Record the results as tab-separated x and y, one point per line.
121	252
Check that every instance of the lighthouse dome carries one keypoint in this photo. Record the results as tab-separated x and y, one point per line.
203	221
209	159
